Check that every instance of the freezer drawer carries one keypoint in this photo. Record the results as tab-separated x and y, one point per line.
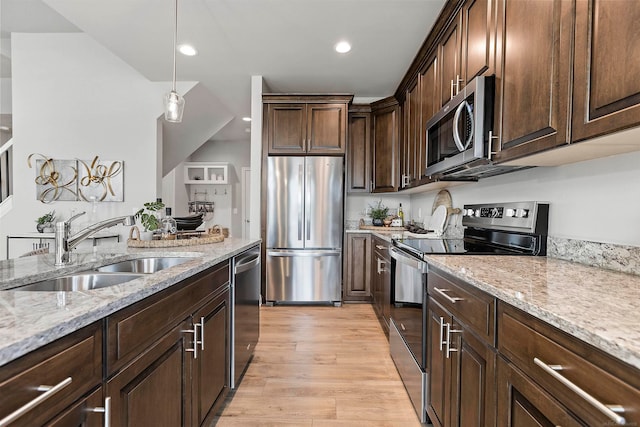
304	276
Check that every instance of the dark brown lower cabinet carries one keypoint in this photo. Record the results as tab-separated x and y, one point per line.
381	280
357	267
522	403
155	388
211	368
462	373
187	369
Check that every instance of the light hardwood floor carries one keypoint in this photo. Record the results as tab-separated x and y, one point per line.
319	367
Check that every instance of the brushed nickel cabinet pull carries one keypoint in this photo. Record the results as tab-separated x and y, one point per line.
608	410
452	300
201	326
491	138
48	392
193	331
106	410
441	332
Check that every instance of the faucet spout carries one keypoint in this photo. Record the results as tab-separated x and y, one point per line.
65	243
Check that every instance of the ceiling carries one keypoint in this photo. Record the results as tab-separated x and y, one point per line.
288	42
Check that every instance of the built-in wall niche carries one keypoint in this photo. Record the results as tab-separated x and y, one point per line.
206	173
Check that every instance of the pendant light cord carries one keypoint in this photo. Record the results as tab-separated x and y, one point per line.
175	44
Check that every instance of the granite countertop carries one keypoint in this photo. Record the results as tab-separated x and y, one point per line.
29	320
595	305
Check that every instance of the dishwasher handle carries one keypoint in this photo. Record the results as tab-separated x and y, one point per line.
247	263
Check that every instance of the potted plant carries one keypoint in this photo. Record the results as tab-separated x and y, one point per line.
148	218
378	213
45	222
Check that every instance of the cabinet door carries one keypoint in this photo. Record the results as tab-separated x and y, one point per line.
154	390
414	134
606	95
533	76
521	402
359	153
326	128
449	50
286	124
473	400
82	413
439	366
386	129
478	46
357	267
211	369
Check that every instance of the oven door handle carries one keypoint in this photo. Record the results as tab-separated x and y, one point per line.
400	257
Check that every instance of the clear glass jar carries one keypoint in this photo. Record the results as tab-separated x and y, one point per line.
168	226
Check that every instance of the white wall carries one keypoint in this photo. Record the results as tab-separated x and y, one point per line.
228	208
73	99
596	200
356	204
257	88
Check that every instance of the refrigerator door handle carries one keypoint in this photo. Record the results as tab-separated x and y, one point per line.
300	192
307	205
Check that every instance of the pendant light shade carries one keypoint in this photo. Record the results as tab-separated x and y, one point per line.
173	102
173	107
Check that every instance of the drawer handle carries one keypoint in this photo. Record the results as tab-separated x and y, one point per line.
48	392
382	248
106	410
201	326
452	300
608	410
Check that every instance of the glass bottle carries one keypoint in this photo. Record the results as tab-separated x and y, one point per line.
401	214
168	226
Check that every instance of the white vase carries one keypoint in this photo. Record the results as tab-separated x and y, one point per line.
146	235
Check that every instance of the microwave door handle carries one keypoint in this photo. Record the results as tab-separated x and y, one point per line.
456	133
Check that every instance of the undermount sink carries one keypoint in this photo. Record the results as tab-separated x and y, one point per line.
80	282
143	265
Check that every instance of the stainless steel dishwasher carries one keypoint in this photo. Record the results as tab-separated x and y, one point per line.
245	317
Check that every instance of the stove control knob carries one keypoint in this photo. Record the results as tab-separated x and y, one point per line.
522	213
477	213
510	213
468	212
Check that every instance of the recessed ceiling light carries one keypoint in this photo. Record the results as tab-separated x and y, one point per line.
343	47
246	119
187	49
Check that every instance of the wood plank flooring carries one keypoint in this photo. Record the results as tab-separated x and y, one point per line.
320	367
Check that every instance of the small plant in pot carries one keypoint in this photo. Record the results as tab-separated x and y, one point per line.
148	218
45	222
378	213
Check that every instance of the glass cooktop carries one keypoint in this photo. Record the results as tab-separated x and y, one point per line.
420	247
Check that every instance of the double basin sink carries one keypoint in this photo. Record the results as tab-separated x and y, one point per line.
105	276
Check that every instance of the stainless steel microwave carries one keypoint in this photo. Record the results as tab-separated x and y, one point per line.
458	135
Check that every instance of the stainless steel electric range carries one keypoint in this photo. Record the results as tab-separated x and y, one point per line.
515	228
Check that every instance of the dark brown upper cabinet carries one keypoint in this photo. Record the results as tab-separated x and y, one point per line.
358	155
449	54
606	86
385	145
306	124
410	147
478	40
532	76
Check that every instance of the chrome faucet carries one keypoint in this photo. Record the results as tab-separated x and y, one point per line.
65	243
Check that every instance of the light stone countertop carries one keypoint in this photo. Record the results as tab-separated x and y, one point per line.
29	320
595	305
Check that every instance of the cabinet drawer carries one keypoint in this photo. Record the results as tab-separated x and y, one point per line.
134	328
530	344
470	306
77	356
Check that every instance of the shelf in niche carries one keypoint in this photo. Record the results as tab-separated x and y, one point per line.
206	173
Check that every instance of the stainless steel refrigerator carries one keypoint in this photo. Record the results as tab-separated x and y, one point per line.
304	229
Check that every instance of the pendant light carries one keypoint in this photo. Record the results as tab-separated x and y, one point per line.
173	102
